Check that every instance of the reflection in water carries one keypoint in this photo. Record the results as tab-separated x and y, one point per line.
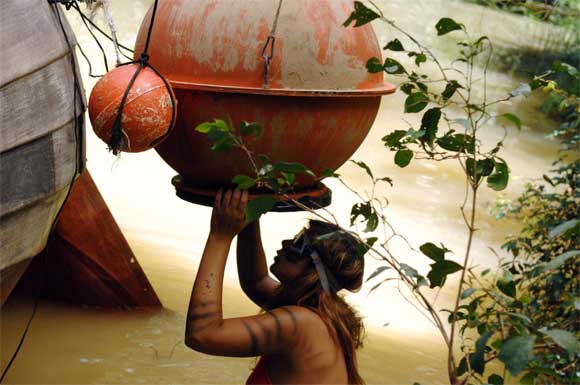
71	345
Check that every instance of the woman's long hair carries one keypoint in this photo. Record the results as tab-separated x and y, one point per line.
339	255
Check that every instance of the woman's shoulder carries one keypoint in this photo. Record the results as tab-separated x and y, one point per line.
307	320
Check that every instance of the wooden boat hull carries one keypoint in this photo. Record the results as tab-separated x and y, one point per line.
41	128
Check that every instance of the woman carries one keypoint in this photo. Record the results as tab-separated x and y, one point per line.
307	333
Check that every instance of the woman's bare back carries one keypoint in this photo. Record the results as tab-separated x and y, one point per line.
315	358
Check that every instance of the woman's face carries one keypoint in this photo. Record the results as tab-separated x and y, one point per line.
288	264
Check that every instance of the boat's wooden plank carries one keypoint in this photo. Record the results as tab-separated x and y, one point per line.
31	37
38	104
24	232
37	169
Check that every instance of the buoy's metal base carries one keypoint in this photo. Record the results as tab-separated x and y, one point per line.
315	197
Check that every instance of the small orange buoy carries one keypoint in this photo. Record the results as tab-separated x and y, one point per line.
148	113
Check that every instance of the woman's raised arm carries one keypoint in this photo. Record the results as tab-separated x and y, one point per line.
206	330
252	267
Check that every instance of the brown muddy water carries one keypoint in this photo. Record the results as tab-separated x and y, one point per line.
72	345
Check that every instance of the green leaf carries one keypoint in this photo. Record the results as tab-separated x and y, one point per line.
289	177
508	287
329	173
513	118
403	158
408	270
561	259
413	135
244	182
516	353
364	166
221	139
547	179
434	252
361	15
526	320
394	45
565	339
407	88
446	25
522	90
363	247
495	379
457	142
476	360
368	213
247	128
499	179
467	292
376	286
374	65
484	168
429	123
462	367
566	68
378	271
204	127
563	227
416	102
295	168
393	140
440	270
420	58
421	281
450	89
393	67
386	179
258	206
264	159
372	223
529	378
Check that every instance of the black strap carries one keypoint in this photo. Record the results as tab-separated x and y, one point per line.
118	137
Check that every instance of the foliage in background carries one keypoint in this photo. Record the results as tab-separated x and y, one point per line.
441	135
563	102
562	44
534	299
564	13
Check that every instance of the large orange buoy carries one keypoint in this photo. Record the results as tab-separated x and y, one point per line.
147	114
315	98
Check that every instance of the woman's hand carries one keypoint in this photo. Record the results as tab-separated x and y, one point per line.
228	216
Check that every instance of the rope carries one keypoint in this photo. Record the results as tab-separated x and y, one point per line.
76	6
268	54
86	19
78	125
150	28
117	133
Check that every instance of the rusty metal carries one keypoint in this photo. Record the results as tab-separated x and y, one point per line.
320	102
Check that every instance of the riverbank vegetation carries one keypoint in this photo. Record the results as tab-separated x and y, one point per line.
563	44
